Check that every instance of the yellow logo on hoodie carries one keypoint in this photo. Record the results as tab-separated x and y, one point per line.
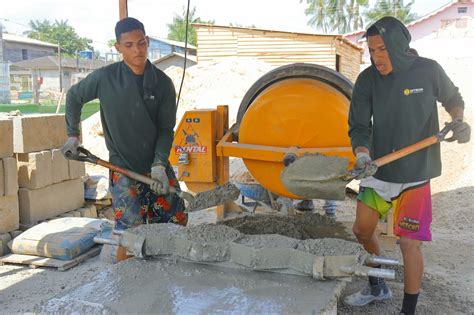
407	92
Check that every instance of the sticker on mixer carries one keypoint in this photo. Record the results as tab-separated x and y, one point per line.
190	143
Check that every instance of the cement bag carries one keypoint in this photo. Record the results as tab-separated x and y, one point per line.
63	238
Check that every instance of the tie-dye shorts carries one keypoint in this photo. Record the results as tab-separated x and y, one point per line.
134	203
412	210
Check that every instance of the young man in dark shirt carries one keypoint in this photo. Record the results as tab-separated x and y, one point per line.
138	114
394	105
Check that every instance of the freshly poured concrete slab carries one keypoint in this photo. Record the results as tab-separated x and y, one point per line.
164	286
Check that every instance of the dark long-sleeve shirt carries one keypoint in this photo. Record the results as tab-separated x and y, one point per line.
137	121
390	112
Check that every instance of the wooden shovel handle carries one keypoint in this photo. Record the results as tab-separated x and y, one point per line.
406	151
128	173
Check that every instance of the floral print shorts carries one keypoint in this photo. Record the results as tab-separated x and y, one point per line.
134	203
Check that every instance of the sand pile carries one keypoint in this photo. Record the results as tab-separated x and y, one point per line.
210	84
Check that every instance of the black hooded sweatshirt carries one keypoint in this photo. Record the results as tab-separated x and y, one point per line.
390	112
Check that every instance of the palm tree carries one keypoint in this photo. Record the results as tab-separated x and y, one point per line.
331	15
177	29
395	8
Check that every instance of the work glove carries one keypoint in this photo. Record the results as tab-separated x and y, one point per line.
161	185
364	166
461	131
70	146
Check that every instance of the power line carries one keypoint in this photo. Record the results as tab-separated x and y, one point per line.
10	21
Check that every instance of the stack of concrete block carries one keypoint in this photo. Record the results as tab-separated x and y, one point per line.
49	184
9	211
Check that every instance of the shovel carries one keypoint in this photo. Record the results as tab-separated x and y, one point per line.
318	176
202	200
133	243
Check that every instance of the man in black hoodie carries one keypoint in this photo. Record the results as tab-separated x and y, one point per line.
394	105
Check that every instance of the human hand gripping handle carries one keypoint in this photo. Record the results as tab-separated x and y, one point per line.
364	166
70	147
161	185
461	131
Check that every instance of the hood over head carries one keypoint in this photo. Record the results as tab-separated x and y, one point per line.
397	39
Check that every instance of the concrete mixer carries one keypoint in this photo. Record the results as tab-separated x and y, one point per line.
293	110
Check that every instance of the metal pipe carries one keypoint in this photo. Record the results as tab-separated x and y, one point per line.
108	241
368	271
381	273
380	260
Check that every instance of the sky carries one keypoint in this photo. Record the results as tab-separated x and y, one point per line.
95	19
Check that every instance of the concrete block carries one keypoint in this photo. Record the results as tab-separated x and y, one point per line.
202	252
34	133
50	201
318	268
76	214
159	238
9	214
34	169
10	173
2	180
92	211
85	212
6	132
333	265
302	261
4	239
59	167
260	259
15	233
76	169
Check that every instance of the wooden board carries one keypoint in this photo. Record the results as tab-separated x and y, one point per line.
37	261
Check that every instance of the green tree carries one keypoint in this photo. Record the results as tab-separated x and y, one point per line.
59	32
395	8
177	29
342	16
111	42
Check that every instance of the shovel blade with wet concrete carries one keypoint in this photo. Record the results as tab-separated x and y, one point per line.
316	176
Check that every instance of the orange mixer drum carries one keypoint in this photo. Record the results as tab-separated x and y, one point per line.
302	105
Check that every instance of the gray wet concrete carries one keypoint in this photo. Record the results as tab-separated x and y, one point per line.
315	176
224	246
330	247
215	197
301	226
212	233
268	241
167	287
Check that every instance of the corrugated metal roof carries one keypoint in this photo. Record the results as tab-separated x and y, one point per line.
192	58
336	36
52	62
173	42
21	39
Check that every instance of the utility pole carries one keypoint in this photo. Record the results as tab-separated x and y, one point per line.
93	58
123	9
60	69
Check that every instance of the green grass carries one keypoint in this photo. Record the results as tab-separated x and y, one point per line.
88	110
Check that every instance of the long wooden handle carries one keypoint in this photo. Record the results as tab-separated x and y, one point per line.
128	173
406	151
131	174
